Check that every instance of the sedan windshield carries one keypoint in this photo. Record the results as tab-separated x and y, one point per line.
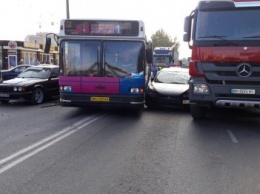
41	73
172	77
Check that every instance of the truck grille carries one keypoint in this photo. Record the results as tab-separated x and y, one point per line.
226	73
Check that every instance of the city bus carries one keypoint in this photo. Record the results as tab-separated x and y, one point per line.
102	63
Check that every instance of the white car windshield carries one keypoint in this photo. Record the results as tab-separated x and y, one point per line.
172	77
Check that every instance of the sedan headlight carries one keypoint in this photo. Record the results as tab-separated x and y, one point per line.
19	89
185	95
201	89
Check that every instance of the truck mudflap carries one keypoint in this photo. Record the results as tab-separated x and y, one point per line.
238	103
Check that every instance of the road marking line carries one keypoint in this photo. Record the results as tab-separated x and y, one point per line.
44	140
56	138
232	136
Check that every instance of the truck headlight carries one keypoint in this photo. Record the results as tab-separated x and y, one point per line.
201	89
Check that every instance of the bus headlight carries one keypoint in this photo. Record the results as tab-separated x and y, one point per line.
137	90
201	89
66	88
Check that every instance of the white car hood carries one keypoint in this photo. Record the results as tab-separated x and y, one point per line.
170	89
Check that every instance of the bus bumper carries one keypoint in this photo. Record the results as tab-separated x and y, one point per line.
111	101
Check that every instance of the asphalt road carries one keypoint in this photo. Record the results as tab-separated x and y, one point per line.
52	149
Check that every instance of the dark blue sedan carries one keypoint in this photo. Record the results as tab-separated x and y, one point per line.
13	72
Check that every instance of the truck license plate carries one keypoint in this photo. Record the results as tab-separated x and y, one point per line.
242	91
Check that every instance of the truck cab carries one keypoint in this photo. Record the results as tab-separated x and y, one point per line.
224	36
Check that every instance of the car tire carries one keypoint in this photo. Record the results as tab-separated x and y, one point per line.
148	103
198	112
4	101
37	96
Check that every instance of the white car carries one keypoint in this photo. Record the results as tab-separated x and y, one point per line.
169	88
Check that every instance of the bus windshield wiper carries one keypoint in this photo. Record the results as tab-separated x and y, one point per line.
221	38
258	36
115	70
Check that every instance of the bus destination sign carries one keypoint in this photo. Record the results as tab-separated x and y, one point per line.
101	28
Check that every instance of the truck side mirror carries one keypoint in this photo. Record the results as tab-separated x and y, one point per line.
187	29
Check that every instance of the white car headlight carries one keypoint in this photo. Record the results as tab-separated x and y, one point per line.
151	91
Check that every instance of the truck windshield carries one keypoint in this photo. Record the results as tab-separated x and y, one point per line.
232	24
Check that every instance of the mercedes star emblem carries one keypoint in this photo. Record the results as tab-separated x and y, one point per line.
244	70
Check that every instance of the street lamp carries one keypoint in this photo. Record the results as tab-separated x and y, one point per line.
68	9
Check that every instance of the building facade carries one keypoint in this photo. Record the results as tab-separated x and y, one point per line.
13	53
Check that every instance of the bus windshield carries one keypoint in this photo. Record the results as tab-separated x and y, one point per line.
102	58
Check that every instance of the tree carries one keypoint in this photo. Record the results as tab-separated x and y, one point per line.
162	39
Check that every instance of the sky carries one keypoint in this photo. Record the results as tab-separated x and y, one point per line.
28	17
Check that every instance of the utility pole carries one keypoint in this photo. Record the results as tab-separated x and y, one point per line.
68	9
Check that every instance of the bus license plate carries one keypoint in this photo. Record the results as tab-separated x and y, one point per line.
99	99
242	91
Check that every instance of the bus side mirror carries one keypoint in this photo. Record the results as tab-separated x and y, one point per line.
149	55
47	45
187	29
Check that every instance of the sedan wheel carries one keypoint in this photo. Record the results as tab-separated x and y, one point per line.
37	96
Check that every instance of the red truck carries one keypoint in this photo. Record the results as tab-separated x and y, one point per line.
224	36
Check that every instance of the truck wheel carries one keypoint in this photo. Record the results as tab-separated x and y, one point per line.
37	96
198	112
